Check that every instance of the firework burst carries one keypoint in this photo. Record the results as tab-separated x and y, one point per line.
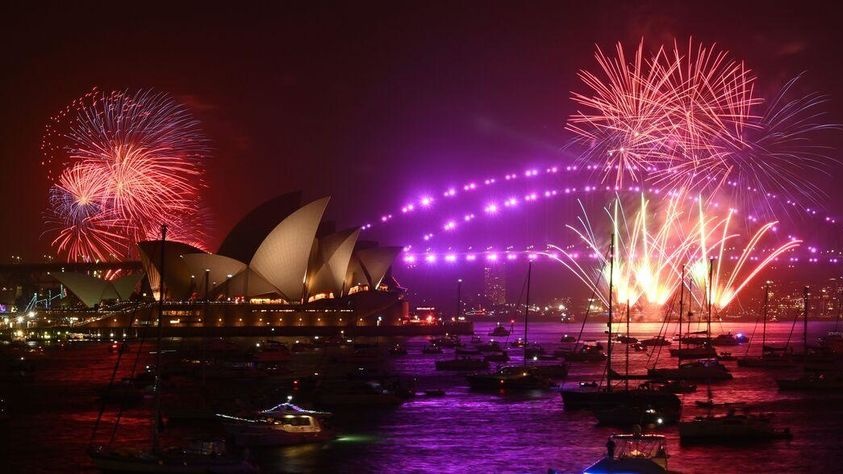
650	248
119	163
688	118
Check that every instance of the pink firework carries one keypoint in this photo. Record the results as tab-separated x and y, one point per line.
687	118
120	164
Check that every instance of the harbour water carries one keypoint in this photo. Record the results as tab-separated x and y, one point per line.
54	410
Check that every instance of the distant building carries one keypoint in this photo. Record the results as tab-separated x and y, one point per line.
494	284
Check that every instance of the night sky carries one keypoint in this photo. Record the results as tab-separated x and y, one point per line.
368	102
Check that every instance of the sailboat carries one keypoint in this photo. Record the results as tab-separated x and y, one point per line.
694	350
771	357
730	427
810	380
200	457
604	398
702	369
518	378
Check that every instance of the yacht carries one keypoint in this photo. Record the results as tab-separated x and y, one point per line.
670	386
771	358
729	428
499	331
633	453
282	425
654	341
729	339
397	350
509	378
812	381
701	351
491	346
705	369
431	349
585	353
596	398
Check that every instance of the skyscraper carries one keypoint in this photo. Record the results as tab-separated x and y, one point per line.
494	284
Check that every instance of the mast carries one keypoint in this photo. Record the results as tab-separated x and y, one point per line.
681	308
156	413
627	345
805	326
710	274
609	345
527	309
764	316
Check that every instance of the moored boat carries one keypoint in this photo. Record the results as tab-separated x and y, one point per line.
730	428
282	425
633	453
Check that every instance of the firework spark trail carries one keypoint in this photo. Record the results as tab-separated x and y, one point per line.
118	164
688	118
647	264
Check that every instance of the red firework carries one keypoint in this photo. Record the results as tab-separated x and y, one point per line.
120	164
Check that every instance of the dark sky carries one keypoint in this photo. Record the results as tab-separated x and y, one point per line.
363	101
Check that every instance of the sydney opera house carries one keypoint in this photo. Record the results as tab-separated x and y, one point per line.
281	267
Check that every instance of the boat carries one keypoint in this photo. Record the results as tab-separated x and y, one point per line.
701	351
446	341
462	363
730	428
285	424
726	356
491	346
704	369
197	457
434	392
496	357
552	371
269	351
431	349
585	353
655	341
708	369
729	339
606	398
602	398
509	378
812	382
467	351
398	350
625	339
769	359
499	331
567	338
633	453
670	386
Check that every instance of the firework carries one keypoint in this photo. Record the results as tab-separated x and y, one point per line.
688	118
119	164
650	248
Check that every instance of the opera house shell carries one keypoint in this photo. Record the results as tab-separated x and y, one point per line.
280	265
